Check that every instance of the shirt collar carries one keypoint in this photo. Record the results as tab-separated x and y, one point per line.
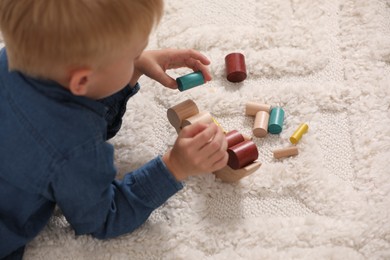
50	89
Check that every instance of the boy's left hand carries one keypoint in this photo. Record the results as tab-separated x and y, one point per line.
155	63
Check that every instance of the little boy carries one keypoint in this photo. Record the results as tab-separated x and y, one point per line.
66	74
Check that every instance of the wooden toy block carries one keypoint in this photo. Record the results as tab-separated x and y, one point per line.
202	117
233	138
181	111
276	119
285	152
260	126
190	81
251	108
297	135
246	157
187	113
261	113
242	154
229	175
235	67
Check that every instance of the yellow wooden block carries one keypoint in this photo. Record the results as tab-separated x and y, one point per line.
297	135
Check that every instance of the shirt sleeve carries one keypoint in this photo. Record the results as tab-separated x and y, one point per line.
116	107
95	203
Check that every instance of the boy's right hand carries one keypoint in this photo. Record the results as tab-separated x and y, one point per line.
199	148
155	63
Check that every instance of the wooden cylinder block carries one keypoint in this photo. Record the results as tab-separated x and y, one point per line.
297	135
251	108
286	152
190	80
260	127
242	154
202	117
276	119
235	67
227	174
181	111
233	138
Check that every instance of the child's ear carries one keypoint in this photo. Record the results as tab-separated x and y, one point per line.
79	81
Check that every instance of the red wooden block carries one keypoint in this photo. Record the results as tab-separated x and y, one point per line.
242	154
233	138
235	67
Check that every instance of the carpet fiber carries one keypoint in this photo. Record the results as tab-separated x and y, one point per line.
327	63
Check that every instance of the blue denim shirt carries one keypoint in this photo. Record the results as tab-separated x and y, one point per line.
53	150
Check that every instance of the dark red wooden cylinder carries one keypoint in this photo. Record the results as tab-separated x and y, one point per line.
235	67
233	138
242	154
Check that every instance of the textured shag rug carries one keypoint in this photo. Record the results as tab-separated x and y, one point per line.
327	63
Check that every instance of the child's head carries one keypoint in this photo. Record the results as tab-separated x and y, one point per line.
47	38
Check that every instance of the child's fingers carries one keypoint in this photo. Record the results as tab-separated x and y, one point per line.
167	81
222	162
192	59
198	66
192	130
207	145
205	137
187	58
214	152
196	55
218	158
217	144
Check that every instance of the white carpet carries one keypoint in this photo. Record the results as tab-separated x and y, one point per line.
326	64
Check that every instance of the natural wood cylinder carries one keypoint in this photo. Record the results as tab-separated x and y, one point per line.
202	117
285	152
229	175
181	111
251	108
260	126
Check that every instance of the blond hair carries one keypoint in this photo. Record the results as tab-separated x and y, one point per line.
44	37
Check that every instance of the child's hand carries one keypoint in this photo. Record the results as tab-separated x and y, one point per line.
155	63
199	148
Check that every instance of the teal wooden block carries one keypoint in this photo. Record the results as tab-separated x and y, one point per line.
190	80
276	119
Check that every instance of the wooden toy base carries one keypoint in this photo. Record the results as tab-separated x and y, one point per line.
227	174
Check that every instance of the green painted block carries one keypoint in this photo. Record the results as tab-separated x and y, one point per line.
276	119
190	80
